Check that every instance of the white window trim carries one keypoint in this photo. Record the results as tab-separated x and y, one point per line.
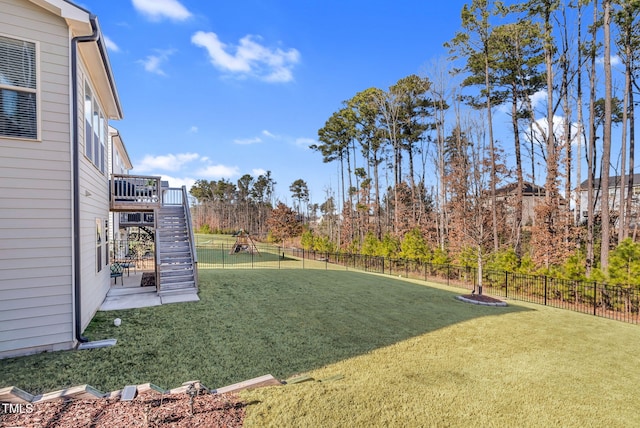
95	160
37	91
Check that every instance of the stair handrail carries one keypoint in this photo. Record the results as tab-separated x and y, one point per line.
192	241
157	256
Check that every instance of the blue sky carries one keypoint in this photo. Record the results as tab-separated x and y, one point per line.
218	89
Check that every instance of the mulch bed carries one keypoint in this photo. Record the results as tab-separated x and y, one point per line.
482	298
148	279
146	410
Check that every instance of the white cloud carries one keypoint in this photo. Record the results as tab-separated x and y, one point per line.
218	171
170	162
247	141
193	130
268	134
540	130
615	60
305	142
258	172
111	45
153	63
156	10
538	99
179	181
249	58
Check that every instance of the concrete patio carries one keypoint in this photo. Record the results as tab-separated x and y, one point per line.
128	294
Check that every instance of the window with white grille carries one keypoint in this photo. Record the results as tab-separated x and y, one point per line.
18	89
95	130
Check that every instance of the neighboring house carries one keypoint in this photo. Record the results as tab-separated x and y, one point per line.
615	189
57	94
532	196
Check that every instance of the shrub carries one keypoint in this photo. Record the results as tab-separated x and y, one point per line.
624	264
414	246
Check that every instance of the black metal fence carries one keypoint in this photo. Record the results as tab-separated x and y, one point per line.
138	252
589	297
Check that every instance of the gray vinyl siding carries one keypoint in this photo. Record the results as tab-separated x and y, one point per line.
95	285
36	291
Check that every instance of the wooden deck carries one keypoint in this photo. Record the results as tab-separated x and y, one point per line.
134	193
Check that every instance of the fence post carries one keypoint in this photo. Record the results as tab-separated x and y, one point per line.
326	261
595	294
545	290
279	256
506	284
303	258
448	273
382	265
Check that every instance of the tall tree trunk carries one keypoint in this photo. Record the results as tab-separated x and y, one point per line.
632	147
492	155
519	174
622	221
606	144
567	131
591	162
580	118
551	186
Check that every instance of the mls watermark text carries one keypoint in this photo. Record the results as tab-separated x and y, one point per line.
17	408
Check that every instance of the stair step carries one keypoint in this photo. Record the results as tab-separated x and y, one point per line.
185	269
175	247
168	242
171	255
166	263
178	283
174	259
173	235
176	267
178	286
189	289
175	251
168	254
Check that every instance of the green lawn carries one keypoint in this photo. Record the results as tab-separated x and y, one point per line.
407	354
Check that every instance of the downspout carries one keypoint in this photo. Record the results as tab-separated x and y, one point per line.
76	174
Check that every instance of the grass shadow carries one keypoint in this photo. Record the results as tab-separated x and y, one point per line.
249	323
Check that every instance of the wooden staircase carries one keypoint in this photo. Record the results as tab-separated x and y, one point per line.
176	269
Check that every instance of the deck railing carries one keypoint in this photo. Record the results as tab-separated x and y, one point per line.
137	219
192	239
134	192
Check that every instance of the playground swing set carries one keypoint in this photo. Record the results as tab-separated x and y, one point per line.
244	244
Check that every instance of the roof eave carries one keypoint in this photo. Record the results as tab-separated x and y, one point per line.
95	54
122	149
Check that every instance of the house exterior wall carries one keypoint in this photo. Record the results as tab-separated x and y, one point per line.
119	163
37	260
614	201
36	293
94	215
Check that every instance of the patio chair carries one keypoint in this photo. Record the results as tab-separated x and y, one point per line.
128	264
117	271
